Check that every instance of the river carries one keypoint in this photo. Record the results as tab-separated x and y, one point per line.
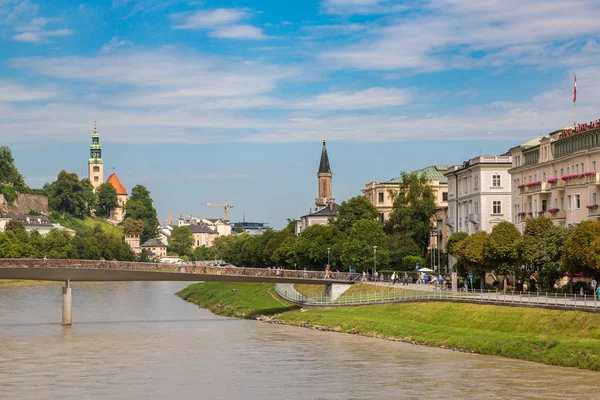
136	340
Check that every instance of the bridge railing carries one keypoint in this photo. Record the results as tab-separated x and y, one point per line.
197	268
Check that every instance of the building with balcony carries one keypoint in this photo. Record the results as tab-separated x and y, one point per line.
555	175
479	194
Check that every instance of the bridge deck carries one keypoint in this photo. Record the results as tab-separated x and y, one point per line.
95	274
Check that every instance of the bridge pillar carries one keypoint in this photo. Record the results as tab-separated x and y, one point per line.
66	304
335	290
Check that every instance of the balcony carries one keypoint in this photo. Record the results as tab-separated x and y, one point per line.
543	187
560	214
592	178
449	221
558	185
521	217
474	218
594	212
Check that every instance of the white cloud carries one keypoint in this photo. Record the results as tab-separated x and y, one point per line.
114	44
209	19
247	32
221	23
347	7
453	33
22	16
371	98
12	92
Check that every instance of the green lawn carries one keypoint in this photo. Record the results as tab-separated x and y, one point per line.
247	301
357	290
87	224
565	338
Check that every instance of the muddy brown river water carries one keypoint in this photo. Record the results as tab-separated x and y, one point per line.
136	340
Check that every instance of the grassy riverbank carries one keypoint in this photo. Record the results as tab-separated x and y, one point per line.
565	338
11	282
242	300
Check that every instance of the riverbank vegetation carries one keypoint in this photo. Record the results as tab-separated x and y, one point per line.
565	338
242	300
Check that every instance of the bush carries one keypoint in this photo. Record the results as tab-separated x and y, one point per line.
9	192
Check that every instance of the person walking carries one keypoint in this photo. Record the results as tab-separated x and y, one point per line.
405	279
364	277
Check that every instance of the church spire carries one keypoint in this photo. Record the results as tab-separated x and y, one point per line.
95	163
324	167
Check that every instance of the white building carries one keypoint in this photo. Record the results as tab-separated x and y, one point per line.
479	194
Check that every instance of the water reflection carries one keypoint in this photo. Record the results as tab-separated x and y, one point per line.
138	340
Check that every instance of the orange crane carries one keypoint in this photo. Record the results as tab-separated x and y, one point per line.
170	220
226	206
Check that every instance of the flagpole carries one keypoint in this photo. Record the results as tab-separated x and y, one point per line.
574	101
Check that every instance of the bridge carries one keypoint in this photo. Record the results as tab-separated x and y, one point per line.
93	270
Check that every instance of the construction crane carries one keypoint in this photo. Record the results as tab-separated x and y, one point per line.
170	220
226	206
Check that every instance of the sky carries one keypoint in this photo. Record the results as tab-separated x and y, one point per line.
207	101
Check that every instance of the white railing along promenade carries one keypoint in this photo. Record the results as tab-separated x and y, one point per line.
398	295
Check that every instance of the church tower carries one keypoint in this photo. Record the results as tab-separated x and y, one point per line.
324	176
95	164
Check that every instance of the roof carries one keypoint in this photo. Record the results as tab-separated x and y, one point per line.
116	183
432	173
325	212
31	220
200	229
324	167
153	243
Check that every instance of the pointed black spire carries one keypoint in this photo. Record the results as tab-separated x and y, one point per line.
324	165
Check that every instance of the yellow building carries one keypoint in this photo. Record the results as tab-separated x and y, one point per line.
382	194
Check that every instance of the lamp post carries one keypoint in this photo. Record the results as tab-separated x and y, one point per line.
374	259
432	234
328	259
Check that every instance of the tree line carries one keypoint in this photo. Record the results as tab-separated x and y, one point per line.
539	257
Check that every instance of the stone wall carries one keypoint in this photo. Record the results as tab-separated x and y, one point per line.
25	203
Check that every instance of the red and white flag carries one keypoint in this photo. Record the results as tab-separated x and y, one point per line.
574	88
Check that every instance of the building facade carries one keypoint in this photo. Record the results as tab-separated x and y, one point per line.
203	235
155	248
324	203
118	212
556	176
479	194
382	194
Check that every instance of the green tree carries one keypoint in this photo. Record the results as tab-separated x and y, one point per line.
140	206
471	254
203	253
358	248
9	174
580	253
58	244
14	225
133	227
503	248
107	200
401	245
413	209
409	263
311	247
541	247
69	195
354	210
181	240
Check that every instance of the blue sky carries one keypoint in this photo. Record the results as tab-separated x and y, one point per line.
206	101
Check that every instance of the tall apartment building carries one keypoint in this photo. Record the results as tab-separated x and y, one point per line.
479	194
555	175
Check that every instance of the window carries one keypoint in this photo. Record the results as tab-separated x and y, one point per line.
544	177
568	202
444	196
381	218
96	169
577	202
562	203
477	208
497	207
593	165
577	169
561	172
496	180
582	168
594	199
324	188
380	199
568	170
544	205
555	174
95	179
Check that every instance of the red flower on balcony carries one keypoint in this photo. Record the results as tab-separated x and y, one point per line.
592	206
521	214
552	180
588	173
553	210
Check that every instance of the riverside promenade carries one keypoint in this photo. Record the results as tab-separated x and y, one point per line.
384	292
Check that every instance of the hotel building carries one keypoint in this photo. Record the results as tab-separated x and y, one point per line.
555	175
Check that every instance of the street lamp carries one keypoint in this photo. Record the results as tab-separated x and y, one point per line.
374	260
328	252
